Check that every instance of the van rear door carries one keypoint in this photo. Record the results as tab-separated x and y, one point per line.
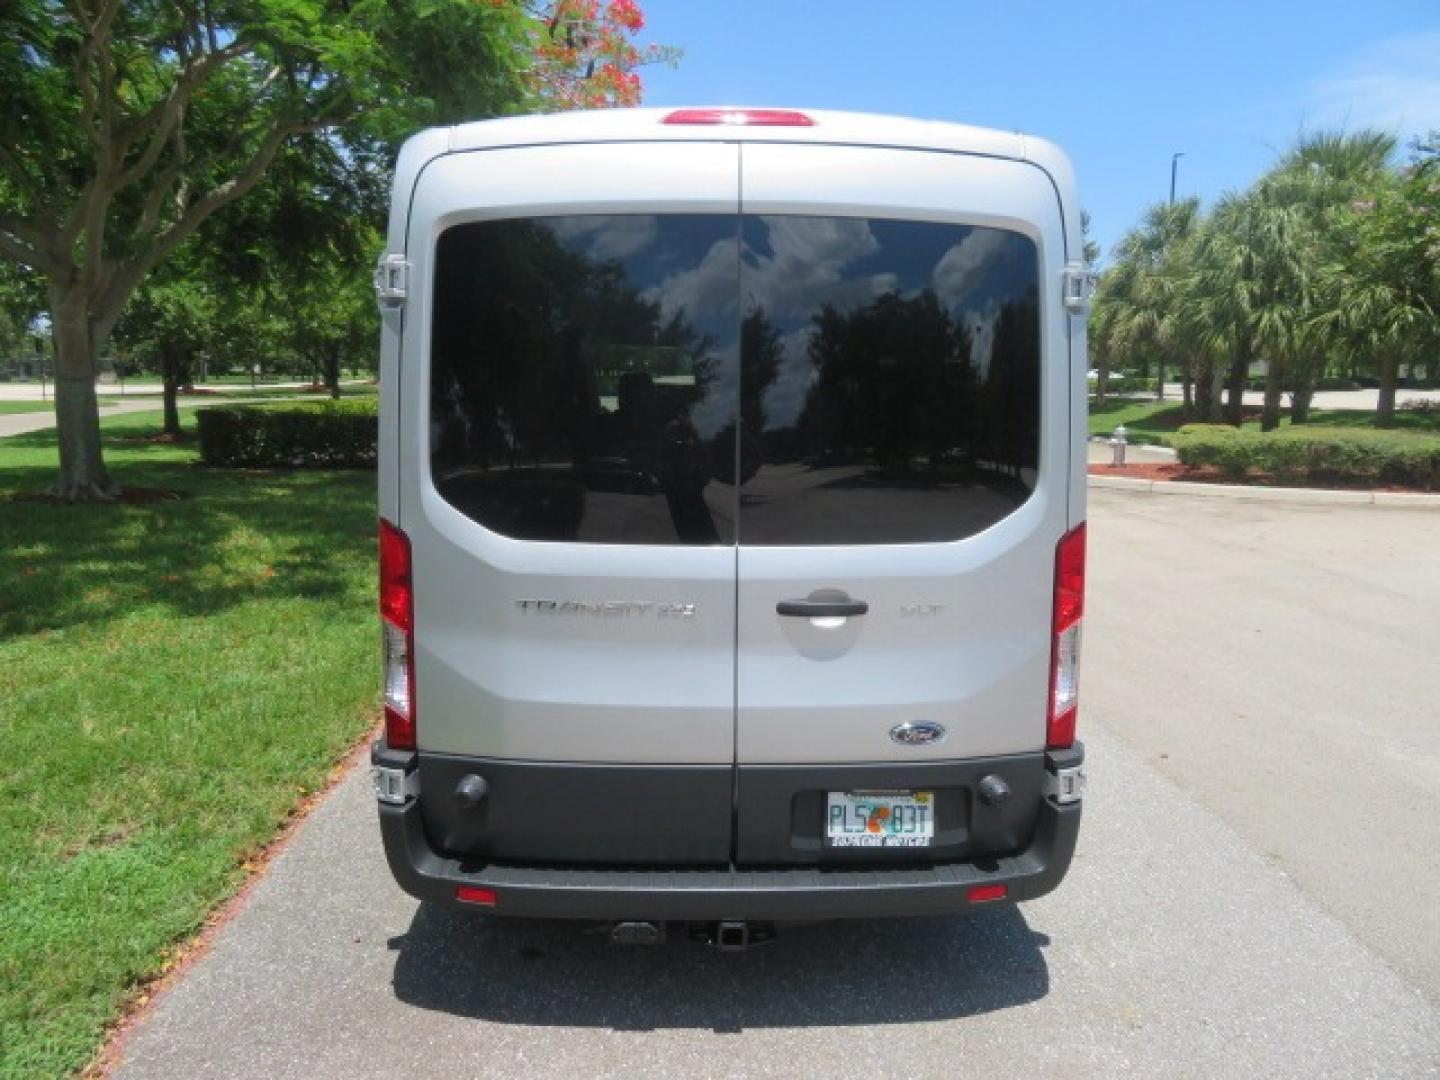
567	482
905	402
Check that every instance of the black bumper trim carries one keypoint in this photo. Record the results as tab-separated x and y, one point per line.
701	894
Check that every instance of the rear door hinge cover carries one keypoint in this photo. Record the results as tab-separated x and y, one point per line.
392	280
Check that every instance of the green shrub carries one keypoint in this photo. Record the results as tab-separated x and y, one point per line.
319	435
1316	455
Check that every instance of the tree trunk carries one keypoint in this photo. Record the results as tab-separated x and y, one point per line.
1274	390
1239	372
1301	398
332	373
171	375
1389	376
1204	386
83	476
1215	408
1187	397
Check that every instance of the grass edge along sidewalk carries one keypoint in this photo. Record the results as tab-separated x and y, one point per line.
175	679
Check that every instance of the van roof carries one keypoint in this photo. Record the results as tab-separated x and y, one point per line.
850	128
843	128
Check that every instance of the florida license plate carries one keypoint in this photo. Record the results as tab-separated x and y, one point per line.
880	819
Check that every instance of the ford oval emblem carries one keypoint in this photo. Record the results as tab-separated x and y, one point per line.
917	734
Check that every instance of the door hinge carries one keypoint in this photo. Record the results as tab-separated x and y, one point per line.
1078	288
392	280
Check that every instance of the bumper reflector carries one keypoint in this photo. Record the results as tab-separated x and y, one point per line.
474	894
979	894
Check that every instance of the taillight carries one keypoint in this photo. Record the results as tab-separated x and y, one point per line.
397	636
740	117
1065	644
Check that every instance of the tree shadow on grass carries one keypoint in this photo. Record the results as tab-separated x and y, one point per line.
545	972
236	536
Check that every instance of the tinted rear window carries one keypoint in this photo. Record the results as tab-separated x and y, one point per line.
589	375
568	399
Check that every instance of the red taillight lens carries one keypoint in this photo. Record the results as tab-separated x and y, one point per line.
474	894
1065	643
740	117
397	637
395	598
980	894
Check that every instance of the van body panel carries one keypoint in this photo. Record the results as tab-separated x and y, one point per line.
957	633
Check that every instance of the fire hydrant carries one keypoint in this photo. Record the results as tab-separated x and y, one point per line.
1117	446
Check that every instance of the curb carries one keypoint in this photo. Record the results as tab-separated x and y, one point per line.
1254	493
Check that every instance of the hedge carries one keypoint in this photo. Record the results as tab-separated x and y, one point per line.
323	435
1316	455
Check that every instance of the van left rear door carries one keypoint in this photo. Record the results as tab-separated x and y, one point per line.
567	482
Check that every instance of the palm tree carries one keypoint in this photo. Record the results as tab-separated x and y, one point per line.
1135	304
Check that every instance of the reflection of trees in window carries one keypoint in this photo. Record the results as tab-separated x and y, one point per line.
894	382
530	335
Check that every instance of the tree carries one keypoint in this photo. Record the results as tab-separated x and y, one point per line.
167	320
1383	276
125	124
1136	307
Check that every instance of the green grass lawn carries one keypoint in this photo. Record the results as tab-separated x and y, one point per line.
1149	421
174	678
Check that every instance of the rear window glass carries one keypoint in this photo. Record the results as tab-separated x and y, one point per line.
610	378
569	399
890	379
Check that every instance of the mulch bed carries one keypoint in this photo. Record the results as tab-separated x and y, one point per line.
1209	474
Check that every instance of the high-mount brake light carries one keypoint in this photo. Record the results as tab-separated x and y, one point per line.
397	634
1065	641
740	117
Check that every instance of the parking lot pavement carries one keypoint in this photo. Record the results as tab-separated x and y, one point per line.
1170	949
1253	894
1276	661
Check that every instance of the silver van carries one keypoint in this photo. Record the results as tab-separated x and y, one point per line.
732	507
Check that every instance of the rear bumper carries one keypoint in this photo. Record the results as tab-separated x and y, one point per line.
685	893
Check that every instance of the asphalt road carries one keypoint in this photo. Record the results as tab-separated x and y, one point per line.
1255	891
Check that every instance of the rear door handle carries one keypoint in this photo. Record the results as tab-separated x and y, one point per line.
823	604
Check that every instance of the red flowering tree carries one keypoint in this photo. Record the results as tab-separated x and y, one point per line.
585	55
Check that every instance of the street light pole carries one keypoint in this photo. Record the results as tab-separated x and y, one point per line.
1174	167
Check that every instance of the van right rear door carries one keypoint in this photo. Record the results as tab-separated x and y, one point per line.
905	406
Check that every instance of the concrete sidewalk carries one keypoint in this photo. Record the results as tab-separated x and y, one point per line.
24	423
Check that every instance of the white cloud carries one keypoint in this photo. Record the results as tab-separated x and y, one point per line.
610	237
704	291
962	267
1392	84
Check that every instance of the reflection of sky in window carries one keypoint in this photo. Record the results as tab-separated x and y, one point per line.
648	247
793	267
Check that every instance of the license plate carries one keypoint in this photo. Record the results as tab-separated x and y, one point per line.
880	818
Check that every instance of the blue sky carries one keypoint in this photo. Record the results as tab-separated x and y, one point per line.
1120	85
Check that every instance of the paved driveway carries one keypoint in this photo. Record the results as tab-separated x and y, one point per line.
1249	898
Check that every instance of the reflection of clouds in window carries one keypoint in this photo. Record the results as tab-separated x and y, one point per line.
707	290
981	325
968	263
605	238
785	398
804	267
